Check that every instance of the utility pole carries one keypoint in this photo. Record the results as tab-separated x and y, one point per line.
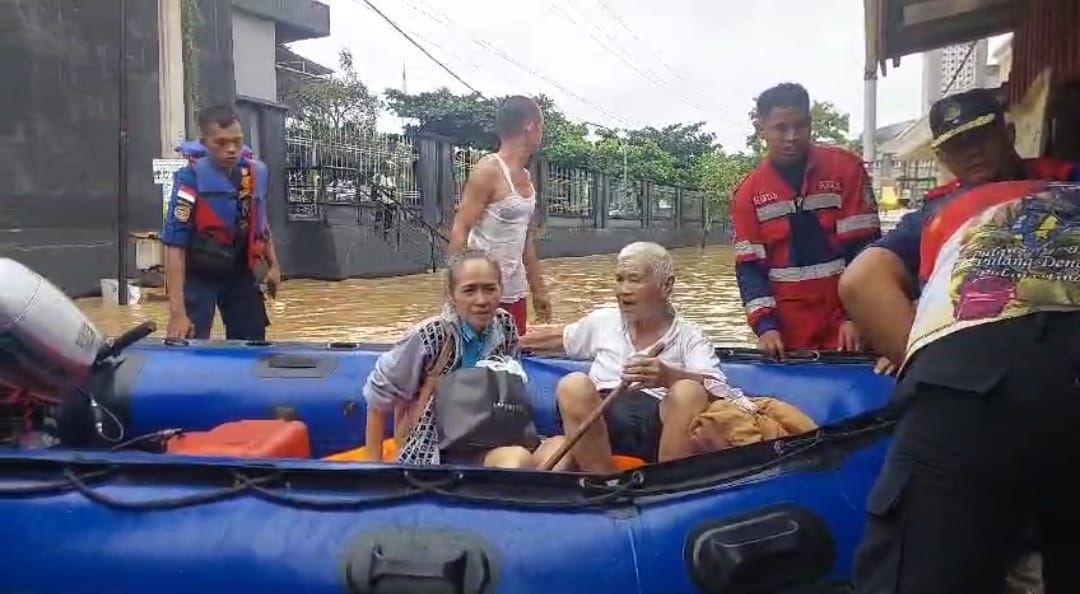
122	163
869	118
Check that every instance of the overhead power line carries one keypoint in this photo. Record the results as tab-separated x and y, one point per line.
418	46
451	24
724	114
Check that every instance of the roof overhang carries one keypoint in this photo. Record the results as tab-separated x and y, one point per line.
896	28
294	20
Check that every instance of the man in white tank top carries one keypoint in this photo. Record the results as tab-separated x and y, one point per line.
497	210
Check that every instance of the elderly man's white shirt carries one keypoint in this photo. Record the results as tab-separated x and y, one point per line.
603	337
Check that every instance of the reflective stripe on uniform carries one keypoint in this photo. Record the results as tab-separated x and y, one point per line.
745	248
775	210
860	222
820	201
795	274
755	305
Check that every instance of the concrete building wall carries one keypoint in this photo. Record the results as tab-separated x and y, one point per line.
253	49
954	69
59	135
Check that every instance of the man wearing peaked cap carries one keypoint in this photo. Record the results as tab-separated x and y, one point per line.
988	397
963	112
975	143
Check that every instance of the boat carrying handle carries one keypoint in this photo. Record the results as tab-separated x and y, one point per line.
768	550
451	571
418	562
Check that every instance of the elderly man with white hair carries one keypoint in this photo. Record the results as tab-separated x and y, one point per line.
652	421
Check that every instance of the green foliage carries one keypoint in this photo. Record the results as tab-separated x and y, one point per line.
720	173
664	156
332	105
468	119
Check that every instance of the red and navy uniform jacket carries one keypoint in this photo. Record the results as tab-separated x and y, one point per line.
791	247
905	240
206	202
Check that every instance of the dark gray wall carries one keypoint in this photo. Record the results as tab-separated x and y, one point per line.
59	134
213	53
339	248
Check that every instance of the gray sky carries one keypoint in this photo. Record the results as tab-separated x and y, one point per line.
681	60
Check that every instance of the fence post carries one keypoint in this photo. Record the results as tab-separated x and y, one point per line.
599	205
646	204
540	170
428	169
680	195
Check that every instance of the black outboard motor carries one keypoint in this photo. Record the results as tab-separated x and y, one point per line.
49	351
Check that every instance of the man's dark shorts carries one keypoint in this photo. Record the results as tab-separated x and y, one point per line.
634	426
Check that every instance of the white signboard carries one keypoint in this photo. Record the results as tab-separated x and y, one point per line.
164	169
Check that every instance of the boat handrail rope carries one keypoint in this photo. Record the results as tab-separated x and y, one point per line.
274	485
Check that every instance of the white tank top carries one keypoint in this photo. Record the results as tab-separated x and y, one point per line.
501	232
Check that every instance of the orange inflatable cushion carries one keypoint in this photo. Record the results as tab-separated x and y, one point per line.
360	454
246	439
624	463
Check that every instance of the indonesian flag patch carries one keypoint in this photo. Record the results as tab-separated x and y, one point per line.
186	194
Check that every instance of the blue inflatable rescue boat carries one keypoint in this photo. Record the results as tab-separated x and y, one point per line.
104	515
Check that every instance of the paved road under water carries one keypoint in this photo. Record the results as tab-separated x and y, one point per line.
379	310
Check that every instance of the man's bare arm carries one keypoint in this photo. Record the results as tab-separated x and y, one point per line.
271	253
531	259
477	193
875	290
548	339
175	273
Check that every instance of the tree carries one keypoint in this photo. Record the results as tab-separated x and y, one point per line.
334	114
671	155
720	174
830	126
467	119
330	105
644	159
470	120
685	143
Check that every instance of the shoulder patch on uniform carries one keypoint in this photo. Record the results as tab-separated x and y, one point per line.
187	194
182	212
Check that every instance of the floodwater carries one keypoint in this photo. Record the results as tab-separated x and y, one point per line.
379	310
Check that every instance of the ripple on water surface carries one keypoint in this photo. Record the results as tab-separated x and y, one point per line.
379	310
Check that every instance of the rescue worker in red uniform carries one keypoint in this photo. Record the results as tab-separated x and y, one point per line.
988	411
217	237
799	218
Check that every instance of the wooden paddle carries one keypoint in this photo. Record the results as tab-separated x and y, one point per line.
571	440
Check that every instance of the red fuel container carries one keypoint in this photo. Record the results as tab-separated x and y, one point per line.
246	439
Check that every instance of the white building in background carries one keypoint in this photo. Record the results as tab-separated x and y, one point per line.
954	69
1002	57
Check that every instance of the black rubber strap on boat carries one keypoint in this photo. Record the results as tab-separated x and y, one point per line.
834	357
792	357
